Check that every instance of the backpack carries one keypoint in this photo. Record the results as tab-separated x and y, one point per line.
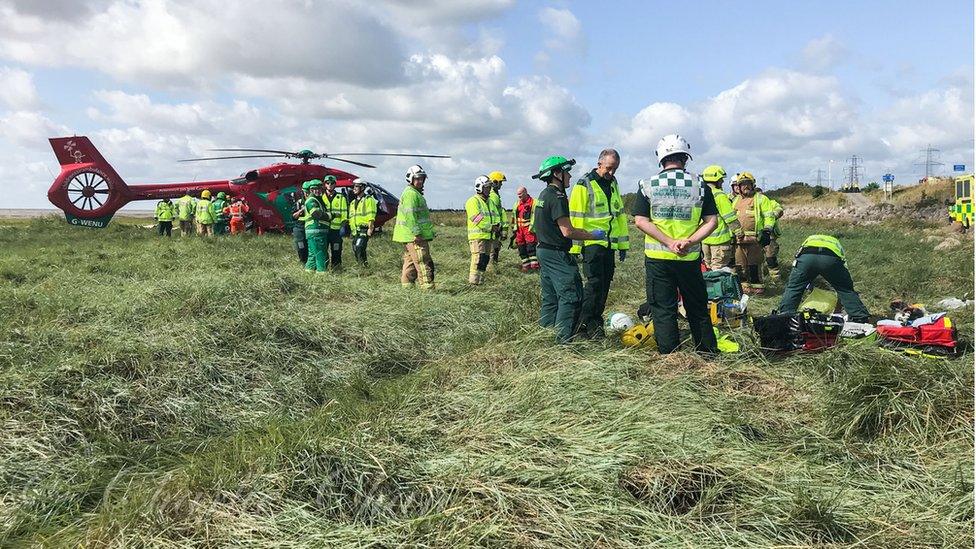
805	331
722	285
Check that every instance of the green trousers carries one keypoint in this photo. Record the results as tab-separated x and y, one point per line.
220	226
806	268
317	250
664	279
598	264
562	292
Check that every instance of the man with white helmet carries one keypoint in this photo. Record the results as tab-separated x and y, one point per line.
717	248
483	224
676	211
495	201
415	230
362	218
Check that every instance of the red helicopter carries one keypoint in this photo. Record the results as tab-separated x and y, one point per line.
89	191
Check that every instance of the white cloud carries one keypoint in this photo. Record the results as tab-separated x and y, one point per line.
29	129
183	44
823	53
565	30
17	90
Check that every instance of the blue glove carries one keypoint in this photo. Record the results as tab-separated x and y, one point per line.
622	254
600	234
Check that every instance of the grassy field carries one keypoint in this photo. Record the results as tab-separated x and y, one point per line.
200	393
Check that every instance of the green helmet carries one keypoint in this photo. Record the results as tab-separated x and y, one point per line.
329	179
553	163
221	194
312	184
713	174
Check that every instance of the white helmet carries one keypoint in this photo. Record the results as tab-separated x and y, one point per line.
415	171
620	322
481	182
671	144
360	181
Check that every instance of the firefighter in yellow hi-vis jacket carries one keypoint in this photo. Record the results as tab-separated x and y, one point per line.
483	225
595	203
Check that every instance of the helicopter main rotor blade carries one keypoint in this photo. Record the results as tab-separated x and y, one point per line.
393	154
231	157
363	164
255	150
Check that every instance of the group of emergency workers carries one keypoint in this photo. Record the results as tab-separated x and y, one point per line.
686	219
206	217
324	217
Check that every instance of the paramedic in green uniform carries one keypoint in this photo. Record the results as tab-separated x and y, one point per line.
316	228
675	210
822	255
562	287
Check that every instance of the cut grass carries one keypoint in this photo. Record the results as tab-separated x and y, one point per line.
224	397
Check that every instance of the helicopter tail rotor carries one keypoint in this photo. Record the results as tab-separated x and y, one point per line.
88	189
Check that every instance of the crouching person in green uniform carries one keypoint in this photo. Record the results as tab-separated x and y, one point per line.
823	255
562	287
676	211
316	229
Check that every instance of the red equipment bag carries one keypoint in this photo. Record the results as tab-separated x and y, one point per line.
937	338
805	331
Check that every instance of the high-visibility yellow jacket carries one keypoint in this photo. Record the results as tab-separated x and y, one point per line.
676	198
338	208
165	211
591	209
728	221
481	217
314	204
362	212
825	241
413	217
204	213
495	201
185	207
765	210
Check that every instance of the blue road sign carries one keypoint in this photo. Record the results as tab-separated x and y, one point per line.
958	167
887	178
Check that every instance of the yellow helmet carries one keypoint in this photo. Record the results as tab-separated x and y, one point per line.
497	176
713	174
746	177
641	335
205	193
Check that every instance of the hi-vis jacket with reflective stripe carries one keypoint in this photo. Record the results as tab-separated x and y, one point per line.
824	241
495	201
765	210
481	215
362	211
591	209
314	204
413	217
165	211
338	208
204	212
185	207
728	220
676	198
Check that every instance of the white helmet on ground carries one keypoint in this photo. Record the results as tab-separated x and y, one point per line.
620	322
671	144
415	171
481	183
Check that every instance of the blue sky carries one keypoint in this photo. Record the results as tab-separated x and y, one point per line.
775	88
